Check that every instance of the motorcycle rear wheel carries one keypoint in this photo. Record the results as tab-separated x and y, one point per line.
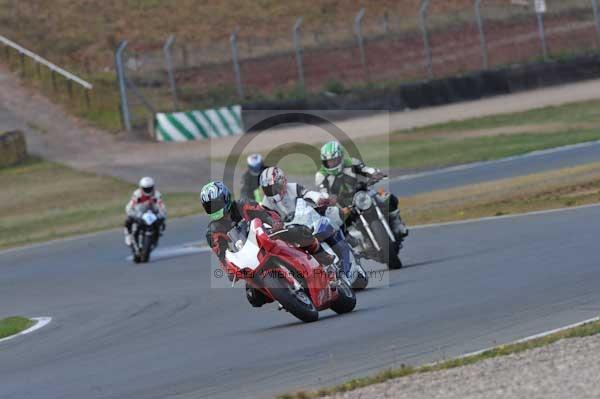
297	303
346	300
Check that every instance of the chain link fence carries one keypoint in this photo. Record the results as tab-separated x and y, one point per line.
435	39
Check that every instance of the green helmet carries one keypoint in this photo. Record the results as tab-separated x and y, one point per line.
332	157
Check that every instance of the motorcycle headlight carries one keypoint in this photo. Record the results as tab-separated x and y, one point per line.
362	200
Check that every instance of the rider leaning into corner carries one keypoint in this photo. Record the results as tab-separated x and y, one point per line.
341	175
250	184
281	197
226	214
145	198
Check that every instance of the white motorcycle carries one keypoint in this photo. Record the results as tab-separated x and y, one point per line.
306	215
145	233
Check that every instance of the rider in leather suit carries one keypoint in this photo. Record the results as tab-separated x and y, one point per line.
281	197
340	176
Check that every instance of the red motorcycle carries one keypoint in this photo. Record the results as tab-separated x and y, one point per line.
284	273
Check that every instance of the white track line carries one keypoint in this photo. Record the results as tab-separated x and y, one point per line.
493	218
529	338
474	165
40	322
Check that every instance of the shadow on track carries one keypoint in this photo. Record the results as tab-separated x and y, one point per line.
322	319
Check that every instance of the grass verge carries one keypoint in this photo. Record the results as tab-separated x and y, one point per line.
472	140
43	200
503	350
561	188
14	325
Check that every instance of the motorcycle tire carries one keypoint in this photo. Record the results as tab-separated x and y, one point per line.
346	300
297	303
146	247
389	249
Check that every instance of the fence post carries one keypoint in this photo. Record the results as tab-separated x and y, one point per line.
540	20
296	37
22	56
359	39
236	64
482	39
386	22
169	65
596	18
122	88
427	46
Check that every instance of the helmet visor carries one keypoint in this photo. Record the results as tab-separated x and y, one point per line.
332	163
273	189
148	190
215	208
218	214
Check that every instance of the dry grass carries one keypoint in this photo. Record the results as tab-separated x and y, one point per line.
556	189
70	31
43	200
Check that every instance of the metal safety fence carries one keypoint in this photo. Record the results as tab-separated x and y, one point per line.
434	39
26	62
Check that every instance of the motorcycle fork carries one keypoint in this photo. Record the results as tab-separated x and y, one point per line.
369	231
385	223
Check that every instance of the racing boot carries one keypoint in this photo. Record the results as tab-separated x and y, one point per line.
128	238
255	297
323	257
343	251
397	225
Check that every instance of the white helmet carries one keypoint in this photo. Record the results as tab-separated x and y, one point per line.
273	183
147	185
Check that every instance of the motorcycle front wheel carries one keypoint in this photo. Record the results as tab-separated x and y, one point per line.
389	249
297	303
146	247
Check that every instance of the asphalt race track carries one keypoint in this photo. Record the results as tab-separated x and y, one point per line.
535	162
160	331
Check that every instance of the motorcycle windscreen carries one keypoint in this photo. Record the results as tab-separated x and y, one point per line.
247	256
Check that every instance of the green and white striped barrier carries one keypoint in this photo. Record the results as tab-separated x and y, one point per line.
199	125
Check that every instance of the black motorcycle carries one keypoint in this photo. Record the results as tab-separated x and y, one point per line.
368	229
145	231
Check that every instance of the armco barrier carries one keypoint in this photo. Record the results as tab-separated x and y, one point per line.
199	125
13	148
471	86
